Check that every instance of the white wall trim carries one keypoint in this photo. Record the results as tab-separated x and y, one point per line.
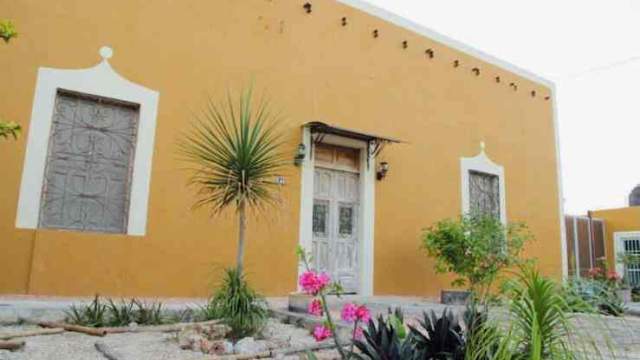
563	232
482	163
434	35
618	247
100	80
367	205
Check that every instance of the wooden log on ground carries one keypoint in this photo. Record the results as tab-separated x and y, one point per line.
107	351
75	328
161	328
279	352
11	345
38	332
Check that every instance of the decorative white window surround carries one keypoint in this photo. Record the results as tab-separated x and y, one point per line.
482	163
618	246
100	80
367	204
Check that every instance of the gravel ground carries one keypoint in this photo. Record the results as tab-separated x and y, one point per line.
133	346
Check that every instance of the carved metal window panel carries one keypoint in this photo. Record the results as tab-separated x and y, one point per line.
484	193
321	218
89	164
345	220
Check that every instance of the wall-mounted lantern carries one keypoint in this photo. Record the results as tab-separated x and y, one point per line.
383	168
300	155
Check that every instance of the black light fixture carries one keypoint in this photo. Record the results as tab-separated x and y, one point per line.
300	154
456	63
476	71
383	168
307	7
344	21
405	44
376	33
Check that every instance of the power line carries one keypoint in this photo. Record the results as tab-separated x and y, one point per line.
601	68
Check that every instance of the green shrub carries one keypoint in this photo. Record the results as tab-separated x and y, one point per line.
590	296
239	306
477	248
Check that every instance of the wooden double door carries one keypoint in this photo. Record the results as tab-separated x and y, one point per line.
336	225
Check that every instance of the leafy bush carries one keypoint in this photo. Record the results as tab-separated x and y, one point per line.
476	248
590	296
239	306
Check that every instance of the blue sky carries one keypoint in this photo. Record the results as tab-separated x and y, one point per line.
591	50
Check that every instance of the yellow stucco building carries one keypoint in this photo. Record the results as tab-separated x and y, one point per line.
622	235
349	77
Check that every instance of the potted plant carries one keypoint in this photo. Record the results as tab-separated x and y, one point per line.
477	248
624	288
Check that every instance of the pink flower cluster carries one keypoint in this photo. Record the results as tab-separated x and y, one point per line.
315	307
321	332
312	283
352	313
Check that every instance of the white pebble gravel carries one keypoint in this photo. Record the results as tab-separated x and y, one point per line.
134	346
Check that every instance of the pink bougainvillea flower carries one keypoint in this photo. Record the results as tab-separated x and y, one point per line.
315	307
349	312
323	280
358	334
613	276
363	313
312	283
321	332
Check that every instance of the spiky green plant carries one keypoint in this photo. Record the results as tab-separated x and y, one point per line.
540	326
120	313
244	310
94	314
236	150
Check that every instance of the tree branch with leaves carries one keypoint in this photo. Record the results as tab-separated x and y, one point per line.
8	32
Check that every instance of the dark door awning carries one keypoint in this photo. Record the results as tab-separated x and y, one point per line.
319	130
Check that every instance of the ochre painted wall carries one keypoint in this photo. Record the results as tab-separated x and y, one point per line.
313	69
617	220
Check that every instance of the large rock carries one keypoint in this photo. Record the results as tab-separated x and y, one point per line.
249	345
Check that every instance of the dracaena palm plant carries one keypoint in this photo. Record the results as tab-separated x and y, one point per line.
235	149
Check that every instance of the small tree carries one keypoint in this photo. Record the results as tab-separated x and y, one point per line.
7	32
475	247
237	153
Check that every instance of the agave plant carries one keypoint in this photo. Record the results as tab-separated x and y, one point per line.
440	337
382	342
236	153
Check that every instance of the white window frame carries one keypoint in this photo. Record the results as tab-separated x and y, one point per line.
618	246
367	204
102	81
482	163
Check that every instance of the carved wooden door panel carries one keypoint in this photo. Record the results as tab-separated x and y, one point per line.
335	226
88	172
